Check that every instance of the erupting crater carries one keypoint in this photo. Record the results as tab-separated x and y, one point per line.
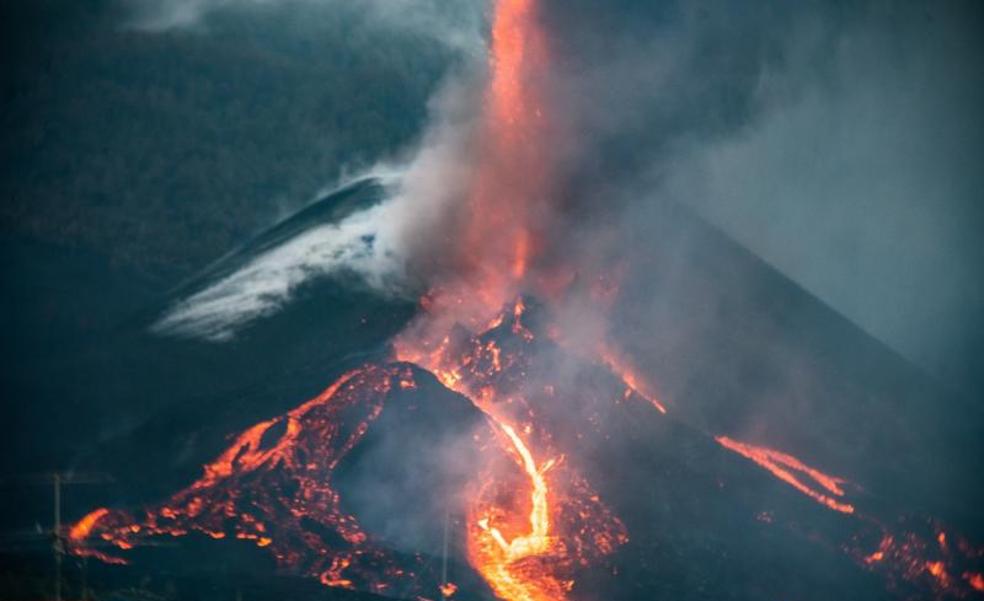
529	431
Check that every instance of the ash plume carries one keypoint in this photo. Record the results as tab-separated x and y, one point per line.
269	280
454	23
393	246
714	109
575	304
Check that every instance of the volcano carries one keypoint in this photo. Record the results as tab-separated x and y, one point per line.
350	486
505	437
358	487
418	467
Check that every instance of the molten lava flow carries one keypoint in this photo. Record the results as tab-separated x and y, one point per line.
80	531
883	547
918	552
621	366
273	486
496	558
537	540
909	551
789	469
975	580
496	250
448	589
938	570
532	522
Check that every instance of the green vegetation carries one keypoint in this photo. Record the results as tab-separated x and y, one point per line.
134	145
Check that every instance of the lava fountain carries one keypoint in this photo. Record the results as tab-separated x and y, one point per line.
532	520
495	249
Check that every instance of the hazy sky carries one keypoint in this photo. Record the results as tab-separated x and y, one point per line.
866	186
842	143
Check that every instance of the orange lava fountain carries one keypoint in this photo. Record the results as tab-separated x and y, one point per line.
531	518
531	523
495	239
496	246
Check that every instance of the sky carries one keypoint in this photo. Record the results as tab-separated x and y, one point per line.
839	142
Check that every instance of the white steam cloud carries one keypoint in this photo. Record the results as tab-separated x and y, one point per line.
260	288
374	244
455	23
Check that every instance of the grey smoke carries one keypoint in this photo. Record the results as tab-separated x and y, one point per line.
840	143
456	23
865	187
358	243
377	244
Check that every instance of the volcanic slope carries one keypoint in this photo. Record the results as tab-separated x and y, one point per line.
105	390
329	501
701	519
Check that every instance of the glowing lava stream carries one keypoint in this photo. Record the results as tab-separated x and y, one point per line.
620	365
496	245
785	467
531	520
536	541
498	559
497	566
527	528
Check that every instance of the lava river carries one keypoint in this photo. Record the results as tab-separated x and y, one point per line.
533	522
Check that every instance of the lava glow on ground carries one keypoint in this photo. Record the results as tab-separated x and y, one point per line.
533	521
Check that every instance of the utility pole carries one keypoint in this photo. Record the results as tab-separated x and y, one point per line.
444	564
59	547
57	535
85	578
444	561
